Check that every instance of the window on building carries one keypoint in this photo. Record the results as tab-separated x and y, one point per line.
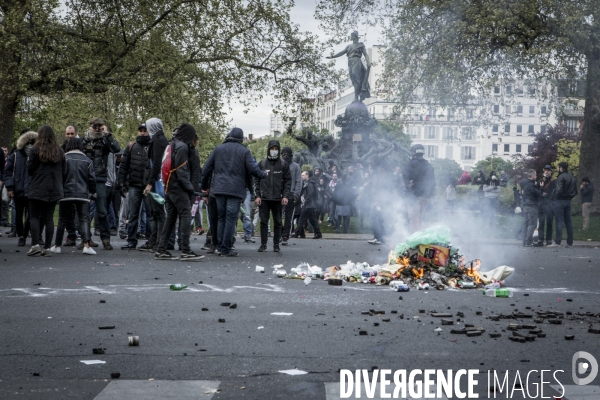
507	110
529	148
572	125
530	129
496	109
543	110
496	89
543	129
431	151
518	150
431	112
508	89
519	129
507	128
414	132
495	128
469	113
468	133
494	147
531	92
519	110
531	110
449	152
506	148
431	132
467	153
451	114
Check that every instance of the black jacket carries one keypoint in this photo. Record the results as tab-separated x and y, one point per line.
156	150
309	194
97	150
135	166
344	194
180	180
46	178
278	182
80	179
530	193
421	173
587	193
566	187
16	177
195	169
547	186
230	162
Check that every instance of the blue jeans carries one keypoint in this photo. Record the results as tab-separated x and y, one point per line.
246	221
562	211
228	208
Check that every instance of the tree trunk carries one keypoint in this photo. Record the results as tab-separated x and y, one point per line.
589	163
7	121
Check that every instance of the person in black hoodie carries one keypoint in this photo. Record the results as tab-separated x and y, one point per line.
155	212
133	175
530	197
17	181
565	190
179	194
78	185
272	193
309	203
46	165
419	179
546	209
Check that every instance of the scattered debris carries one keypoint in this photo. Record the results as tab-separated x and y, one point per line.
98	351
293	372
92	362
107	327
134	340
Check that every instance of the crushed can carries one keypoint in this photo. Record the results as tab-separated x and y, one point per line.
402	288
467	285
423	286
280	273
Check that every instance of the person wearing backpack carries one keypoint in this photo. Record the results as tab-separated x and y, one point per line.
272	193
133	175
309	204
565	190
179	193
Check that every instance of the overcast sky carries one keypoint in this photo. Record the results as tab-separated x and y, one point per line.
257	120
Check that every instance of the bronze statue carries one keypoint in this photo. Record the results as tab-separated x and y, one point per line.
359	75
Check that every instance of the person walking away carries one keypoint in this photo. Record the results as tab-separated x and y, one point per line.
309	203
330	189
78	186
17	181
272	193
464	179
133	175
419	179
343	198
294	196
179	194
491	190
530	195
565	190
451	194
47	168
546	209
321	202
98	145
71	240
230	162
587	196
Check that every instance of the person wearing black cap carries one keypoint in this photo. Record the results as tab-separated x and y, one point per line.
419	179
133	174
565	190
179	195
587	198
295	189
546	208
272	193
228	165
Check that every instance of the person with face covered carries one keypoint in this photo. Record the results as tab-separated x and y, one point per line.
17	181
294	195
272	193
133	175
179	194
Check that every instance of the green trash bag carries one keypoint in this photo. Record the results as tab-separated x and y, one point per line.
436	234
400	249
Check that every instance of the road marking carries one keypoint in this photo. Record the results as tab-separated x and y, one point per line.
575	392
113	289
332	392
158	390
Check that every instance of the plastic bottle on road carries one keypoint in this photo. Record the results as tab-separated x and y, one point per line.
493	285
178	286
498	293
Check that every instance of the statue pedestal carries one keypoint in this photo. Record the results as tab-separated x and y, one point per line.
357	125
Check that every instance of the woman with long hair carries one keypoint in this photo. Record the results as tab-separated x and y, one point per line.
46	165
79	185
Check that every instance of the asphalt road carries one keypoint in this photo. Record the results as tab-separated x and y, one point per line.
51	311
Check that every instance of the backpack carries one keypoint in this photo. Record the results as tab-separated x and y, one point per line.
166	167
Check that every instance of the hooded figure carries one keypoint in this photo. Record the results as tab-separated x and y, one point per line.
295	192
272	193
419	179
17	181
228	165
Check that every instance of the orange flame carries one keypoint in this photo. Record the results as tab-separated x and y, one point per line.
418	272
473	271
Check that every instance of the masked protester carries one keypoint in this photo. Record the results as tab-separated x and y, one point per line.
419	179
294	194
530	195
133	175
272	193
179	194
565	190
17	181
546	208
309	204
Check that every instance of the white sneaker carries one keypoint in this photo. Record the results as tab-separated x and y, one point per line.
89	251
55	250
553	245
372	241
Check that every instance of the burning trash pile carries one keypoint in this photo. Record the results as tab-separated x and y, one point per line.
425	261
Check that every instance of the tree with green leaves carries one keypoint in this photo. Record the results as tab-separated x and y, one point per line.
181	60
454	52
